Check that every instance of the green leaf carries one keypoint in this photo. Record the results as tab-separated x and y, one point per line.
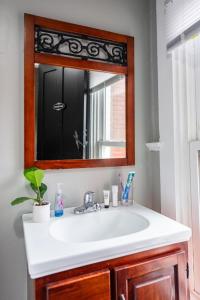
42	189
20	200
34	175
34	188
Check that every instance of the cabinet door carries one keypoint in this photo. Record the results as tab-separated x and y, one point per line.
93	286
162	278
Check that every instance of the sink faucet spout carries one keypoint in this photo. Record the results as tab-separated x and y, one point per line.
89	204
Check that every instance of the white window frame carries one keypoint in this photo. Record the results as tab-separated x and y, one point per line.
171	204
195	218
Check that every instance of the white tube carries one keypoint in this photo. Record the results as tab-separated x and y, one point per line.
115	195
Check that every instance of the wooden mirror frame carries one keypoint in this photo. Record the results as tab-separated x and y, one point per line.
31	57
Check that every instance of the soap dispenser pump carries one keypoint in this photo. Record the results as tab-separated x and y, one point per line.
59	201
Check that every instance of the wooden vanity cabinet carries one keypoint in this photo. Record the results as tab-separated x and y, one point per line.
158	274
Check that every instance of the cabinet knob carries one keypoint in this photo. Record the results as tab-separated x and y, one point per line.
122	297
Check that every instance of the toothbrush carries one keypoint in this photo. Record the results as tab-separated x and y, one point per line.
128	185
121	185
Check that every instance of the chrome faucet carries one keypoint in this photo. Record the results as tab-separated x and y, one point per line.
89	204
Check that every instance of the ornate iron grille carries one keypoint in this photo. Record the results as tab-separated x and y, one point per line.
80	46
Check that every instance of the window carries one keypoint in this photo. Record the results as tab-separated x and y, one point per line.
178	28
185	62
180	17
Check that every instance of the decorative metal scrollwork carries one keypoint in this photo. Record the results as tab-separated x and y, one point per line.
80	46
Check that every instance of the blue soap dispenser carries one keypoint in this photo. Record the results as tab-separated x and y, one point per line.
59	201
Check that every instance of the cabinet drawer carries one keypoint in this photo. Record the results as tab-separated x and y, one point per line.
93	286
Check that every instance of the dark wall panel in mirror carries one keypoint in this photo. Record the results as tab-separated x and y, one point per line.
79	114
60	110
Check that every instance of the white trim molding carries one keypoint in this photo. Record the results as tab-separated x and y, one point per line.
154	146
195	218
166	118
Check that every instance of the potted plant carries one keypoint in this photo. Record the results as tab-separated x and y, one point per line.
41	208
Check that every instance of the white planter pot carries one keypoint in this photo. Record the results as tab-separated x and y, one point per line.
41	213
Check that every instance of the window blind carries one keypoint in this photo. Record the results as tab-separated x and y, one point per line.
180	15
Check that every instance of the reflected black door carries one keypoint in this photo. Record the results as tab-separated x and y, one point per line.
60	112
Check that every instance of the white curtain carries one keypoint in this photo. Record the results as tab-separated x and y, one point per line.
186	99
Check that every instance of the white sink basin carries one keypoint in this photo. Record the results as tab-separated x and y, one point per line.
73	241
97	226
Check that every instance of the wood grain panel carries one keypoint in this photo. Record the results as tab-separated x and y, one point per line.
75	28
157	286
62	61
130	106
80	163
92	286
29	92
160	288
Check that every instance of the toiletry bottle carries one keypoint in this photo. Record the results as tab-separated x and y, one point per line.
106	198
114	195
59	201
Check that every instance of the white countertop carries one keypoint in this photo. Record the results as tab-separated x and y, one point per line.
46	255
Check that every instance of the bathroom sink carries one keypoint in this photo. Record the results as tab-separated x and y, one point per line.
97	226
72	241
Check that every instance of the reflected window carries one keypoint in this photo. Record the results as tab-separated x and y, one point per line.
108	118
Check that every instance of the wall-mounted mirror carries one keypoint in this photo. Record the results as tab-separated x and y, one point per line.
79	114
79	111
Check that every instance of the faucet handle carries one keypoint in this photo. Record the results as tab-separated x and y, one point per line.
89	199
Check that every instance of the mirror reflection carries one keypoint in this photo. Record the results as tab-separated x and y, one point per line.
79	114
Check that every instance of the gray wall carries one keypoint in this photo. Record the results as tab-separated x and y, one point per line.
154	157
124	16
